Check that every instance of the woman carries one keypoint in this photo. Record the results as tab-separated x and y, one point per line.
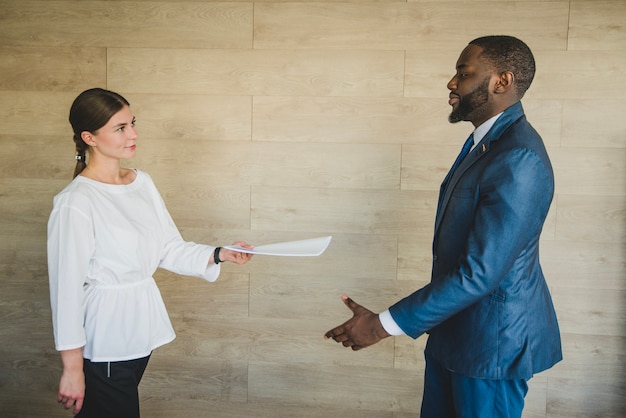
108	232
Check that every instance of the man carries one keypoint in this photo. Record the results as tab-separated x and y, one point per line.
487	309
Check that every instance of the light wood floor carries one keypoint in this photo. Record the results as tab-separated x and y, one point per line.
271	121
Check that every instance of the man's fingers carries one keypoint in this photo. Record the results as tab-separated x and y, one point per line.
352	305
336	334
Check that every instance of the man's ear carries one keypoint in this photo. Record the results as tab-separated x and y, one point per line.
504	82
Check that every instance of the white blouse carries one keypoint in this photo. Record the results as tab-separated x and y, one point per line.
104	244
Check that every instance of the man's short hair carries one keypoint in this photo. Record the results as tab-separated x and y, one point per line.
507	53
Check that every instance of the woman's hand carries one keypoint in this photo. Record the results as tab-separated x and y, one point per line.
72	384
236	257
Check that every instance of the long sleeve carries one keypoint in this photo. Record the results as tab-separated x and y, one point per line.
105	243
505	224
487	308
70	246
180	256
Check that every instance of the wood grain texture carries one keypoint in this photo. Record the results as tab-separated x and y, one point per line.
256	72
581	127
597	25
351	211
601	219
273	121
401	26
395	389
20	109
29	68
593	71
192	117
359	120
116	23
595	171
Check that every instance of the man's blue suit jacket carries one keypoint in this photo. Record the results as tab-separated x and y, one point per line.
487	308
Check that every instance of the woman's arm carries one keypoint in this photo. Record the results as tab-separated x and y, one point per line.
72	384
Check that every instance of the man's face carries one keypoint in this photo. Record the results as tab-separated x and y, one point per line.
470	88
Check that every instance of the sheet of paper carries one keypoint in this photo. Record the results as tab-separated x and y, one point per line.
303	248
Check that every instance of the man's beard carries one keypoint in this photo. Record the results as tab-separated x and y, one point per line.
471	103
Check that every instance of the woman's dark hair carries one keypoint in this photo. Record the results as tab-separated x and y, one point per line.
90	111
507	53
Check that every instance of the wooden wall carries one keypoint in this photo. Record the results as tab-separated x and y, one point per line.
271	121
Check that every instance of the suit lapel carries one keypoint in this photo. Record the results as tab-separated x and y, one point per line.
479	150
509	116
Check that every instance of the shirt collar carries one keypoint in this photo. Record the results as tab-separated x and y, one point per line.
481	131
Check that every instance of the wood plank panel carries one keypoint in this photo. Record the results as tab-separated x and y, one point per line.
193	204
597	26
247	72
597	171
377	257
601	219
347	211
581	127
29	362
190	295
592	398
536	398
598	265
54	159
192	117
425	166
415	256
595	70
234	336
413	25
20	109
274	164
277	296
409	354
51	69
281	120
20	248
546	116
386	390
116	24
428	72
590	311
590	358
165	407
25	206
180	377
353	120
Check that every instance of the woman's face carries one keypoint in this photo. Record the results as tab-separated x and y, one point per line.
117	139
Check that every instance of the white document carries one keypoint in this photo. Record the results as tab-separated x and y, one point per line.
304	248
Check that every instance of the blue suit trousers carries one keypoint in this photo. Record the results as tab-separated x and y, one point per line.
451	395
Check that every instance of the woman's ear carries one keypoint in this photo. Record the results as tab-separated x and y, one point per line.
88	138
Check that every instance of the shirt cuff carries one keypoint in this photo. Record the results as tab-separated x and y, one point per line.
389	324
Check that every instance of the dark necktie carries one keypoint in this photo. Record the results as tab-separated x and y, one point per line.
464	151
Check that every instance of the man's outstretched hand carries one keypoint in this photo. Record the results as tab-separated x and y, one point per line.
362	330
